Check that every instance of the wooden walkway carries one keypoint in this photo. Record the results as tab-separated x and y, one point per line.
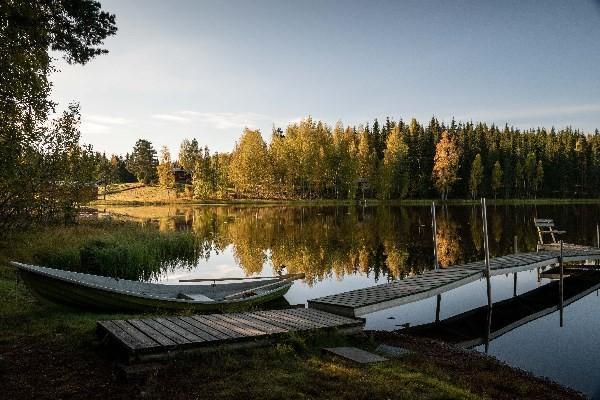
363	301
145	339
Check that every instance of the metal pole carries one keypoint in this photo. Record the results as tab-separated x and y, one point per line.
486	246
560	265
438	307
597	236
516	249
434	229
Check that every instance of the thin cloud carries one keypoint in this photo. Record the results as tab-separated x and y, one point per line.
171	118
106	119
538	112
216	120
101	124
93	128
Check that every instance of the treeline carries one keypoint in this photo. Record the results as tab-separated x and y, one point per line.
390	160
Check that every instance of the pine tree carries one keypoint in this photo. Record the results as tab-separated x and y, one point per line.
539	176
476	176
142	161
497	178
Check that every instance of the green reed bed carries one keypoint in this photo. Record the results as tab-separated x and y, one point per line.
111	248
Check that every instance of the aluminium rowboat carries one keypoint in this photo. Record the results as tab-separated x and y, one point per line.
105	293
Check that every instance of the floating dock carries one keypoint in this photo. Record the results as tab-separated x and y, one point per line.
359	302
146	339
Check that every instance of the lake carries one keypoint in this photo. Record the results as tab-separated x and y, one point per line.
340	248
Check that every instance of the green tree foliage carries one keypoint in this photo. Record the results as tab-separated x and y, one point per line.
310	159
166	178
29	30
189	154
143	162
367	162
208	175
393	174
119	164
539	177
476	176
108	171
497	178
250	168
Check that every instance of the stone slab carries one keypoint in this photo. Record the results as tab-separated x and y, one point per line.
354	354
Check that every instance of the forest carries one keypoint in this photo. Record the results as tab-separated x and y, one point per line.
391	160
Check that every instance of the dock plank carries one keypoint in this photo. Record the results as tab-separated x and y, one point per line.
179	330
193	329
152	333
358	302
141	337
208	329
130	342
210	324
161	337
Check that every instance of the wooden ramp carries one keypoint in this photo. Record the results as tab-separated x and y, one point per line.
367	300
145	339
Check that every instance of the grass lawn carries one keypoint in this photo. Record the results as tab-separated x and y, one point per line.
49	351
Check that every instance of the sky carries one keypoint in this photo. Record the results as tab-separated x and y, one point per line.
207	69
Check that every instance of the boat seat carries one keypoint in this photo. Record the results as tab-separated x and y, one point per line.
191	296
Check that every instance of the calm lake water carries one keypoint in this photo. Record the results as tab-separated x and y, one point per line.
341	248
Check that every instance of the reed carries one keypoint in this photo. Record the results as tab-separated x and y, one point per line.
119	249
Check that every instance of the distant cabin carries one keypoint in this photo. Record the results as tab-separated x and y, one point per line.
181	175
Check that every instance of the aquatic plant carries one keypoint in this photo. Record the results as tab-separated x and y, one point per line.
113	248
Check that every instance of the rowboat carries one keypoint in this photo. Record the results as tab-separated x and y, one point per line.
105	293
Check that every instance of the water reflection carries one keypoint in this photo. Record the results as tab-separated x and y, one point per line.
382	243
345	248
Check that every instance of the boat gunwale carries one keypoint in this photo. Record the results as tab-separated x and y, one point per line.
35	270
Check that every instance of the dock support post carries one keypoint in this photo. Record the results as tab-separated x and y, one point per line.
516	249
488	274
486	246
561	285
434	229
436	263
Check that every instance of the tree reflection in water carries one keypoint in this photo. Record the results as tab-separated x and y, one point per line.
385	242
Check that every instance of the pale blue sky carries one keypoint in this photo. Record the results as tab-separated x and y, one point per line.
206	69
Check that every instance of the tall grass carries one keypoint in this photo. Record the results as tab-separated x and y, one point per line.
119	249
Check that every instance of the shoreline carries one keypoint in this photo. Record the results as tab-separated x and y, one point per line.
328	202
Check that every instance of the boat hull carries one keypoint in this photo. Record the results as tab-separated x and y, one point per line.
75	295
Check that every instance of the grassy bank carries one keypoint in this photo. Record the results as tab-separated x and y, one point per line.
134	194
47	351
50	351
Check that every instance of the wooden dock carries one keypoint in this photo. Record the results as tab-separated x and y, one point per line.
364	301
146	339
